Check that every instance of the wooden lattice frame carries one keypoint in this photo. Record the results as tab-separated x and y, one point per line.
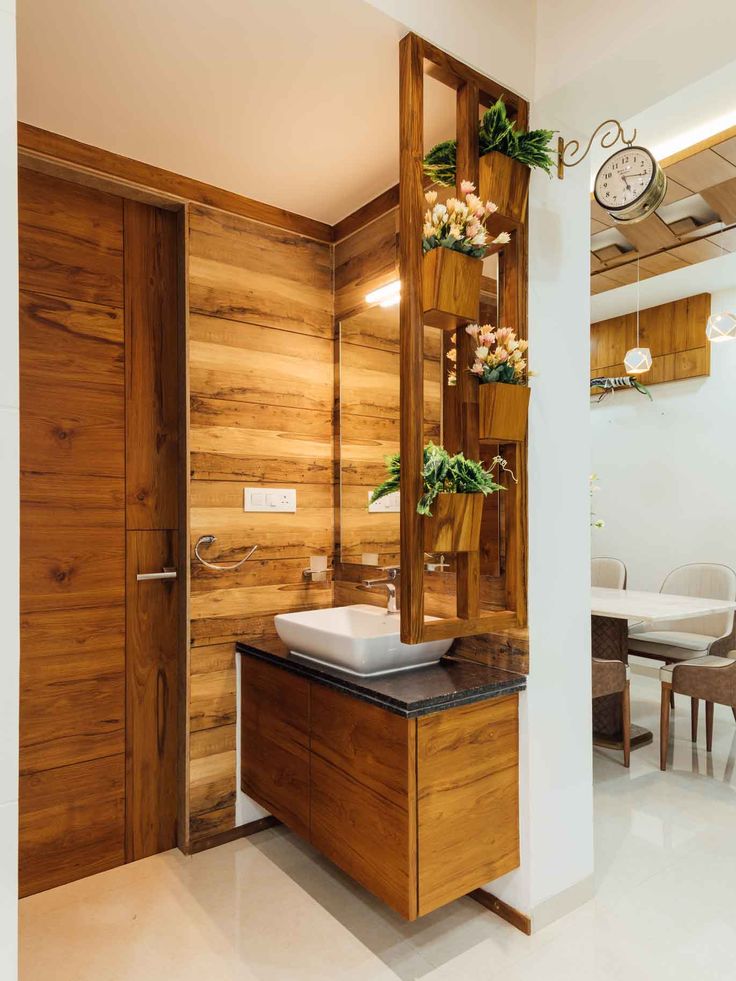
473	90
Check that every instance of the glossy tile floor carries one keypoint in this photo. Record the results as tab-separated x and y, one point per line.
270	908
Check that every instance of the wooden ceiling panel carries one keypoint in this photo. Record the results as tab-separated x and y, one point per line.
649	235
726	240
663	262
698	251
727	149
599	214
600	283
675	192
597	226
722	199
624	275
702	170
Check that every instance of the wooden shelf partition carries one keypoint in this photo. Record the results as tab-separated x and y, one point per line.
460	404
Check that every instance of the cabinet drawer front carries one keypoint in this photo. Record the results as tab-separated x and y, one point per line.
367	742
468	799
363	794
365	835
275	742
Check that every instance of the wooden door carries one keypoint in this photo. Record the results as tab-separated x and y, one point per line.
151	450
76	331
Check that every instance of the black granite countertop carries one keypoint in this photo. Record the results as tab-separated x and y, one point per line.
412	693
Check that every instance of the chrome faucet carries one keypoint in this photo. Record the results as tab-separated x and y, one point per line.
389	582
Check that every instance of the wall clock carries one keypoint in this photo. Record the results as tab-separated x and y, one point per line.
630	185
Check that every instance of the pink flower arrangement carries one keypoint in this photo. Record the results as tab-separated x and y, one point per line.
498	356
459	225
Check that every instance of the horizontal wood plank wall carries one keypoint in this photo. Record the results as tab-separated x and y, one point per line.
674	332
369	425
261	368
72	699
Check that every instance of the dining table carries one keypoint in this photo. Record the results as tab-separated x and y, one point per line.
613	613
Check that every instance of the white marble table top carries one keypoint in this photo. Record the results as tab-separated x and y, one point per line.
632	604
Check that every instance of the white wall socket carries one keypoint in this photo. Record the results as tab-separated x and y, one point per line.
391	503
274	499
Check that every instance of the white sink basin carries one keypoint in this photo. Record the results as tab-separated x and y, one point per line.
362	640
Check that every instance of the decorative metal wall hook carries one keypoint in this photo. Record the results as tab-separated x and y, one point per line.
207	540
568	152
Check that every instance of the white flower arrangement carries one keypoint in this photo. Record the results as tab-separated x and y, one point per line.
459	225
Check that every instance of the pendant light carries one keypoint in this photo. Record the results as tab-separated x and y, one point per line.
638	359
721	326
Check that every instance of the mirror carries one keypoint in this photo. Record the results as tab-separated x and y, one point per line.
369	428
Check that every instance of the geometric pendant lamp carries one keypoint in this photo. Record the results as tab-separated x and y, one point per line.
638	359
721	327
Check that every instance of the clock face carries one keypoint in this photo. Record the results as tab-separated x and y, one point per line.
624	178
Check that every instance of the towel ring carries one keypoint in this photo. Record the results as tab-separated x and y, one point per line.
210	540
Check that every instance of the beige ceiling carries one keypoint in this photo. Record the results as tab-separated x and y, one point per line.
696	222
290	102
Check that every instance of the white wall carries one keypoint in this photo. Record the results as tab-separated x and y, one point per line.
556	756
8	497
667	470
494	36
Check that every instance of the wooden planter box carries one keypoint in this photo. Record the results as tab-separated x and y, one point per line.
503	411
505	182
455	523
451	288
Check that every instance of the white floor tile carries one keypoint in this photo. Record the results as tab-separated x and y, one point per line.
270	908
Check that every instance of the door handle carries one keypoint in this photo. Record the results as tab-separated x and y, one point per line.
168	572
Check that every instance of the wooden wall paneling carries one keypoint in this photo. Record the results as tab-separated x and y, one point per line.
133	175
462	846
72	822
80	342
72	687
674	332
151	695
71	430
254	363
151	375
243	271
71	244
72	790
261	365
364	261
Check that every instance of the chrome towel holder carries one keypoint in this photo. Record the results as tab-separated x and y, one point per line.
207	540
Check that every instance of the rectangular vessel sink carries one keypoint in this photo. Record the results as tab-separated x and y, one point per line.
362	640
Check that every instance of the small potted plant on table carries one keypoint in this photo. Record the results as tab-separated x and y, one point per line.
452	498
454	242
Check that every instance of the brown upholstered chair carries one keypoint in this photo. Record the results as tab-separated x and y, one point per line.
609	678
711	678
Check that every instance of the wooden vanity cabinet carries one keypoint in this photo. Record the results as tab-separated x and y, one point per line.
419	811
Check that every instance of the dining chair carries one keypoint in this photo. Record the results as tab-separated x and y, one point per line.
711	678
609	678
607	572
681	640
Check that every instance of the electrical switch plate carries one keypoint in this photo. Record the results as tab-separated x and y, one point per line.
269	499
389	504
